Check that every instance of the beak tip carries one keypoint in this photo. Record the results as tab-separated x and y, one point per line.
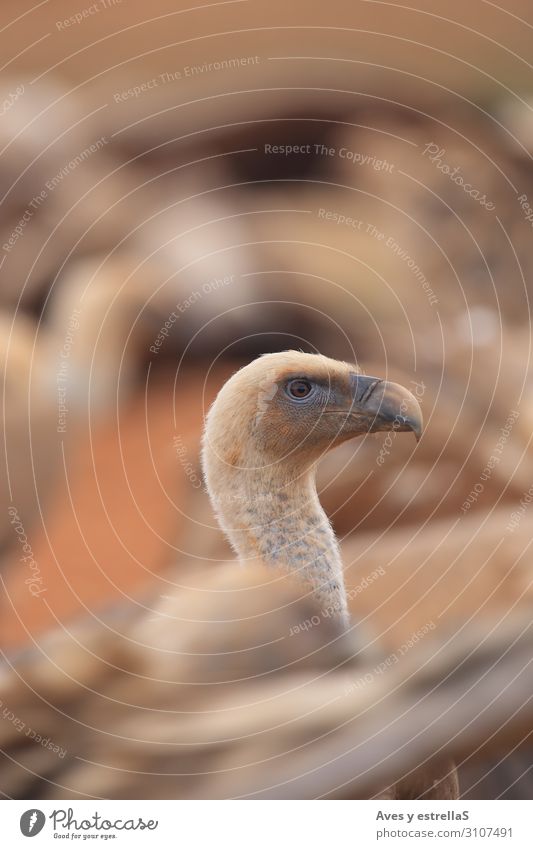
415	424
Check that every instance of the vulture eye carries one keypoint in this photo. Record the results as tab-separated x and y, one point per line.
299	388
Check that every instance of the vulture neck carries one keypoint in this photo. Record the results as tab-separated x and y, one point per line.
277	517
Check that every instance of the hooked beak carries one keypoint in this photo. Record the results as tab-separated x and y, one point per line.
385	405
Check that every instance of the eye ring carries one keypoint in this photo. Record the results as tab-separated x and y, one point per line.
299	388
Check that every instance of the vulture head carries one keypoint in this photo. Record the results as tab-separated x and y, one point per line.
291	407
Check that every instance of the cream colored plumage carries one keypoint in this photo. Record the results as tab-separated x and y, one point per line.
262	446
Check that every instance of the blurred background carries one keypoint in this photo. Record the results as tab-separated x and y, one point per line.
184	187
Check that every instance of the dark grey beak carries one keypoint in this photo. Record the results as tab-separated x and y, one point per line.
388	406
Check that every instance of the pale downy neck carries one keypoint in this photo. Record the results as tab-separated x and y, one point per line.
277	517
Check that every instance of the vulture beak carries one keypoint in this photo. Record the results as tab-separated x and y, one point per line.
391	406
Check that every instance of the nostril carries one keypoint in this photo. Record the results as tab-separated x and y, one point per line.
362	387
366	395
